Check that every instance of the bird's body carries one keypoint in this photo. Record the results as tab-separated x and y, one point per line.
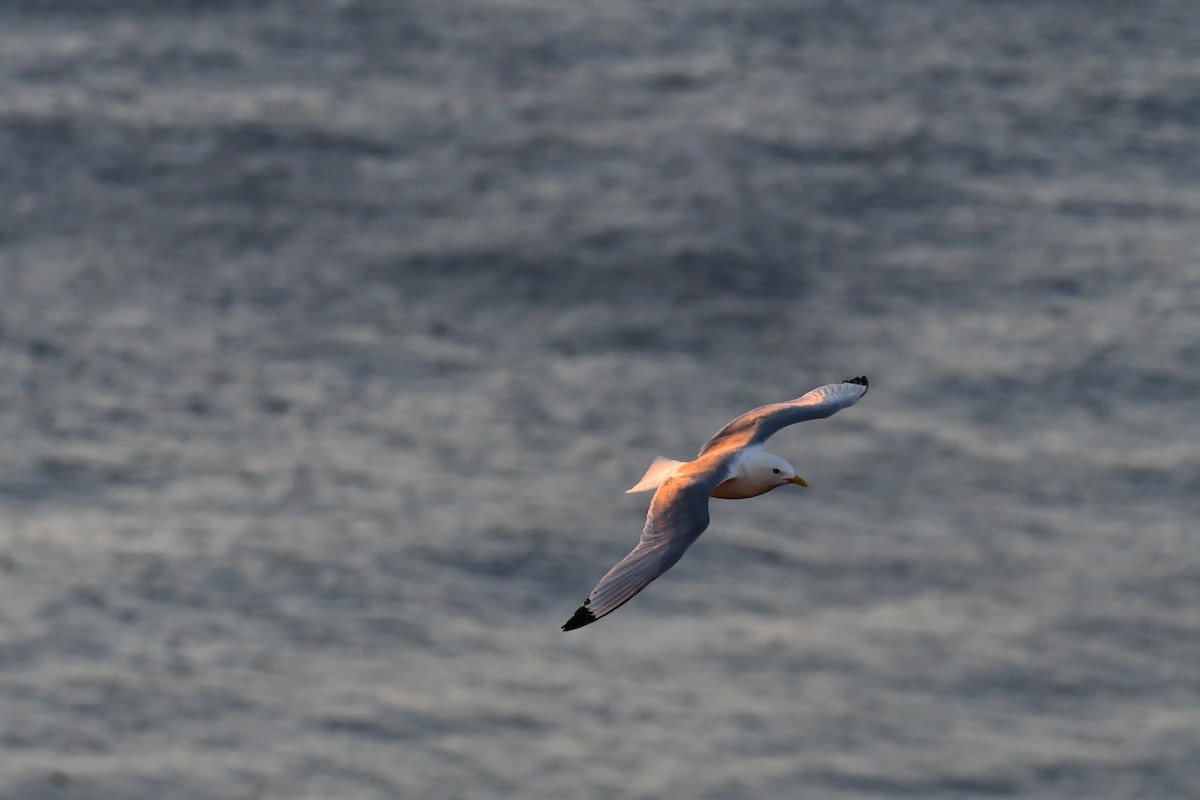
732	465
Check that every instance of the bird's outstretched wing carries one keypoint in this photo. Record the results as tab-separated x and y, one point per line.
678	515
756	426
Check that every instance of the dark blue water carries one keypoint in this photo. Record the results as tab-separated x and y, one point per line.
331	335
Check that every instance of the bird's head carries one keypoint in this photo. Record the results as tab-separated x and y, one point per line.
772	470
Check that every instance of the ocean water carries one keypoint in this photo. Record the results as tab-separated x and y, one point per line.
332	333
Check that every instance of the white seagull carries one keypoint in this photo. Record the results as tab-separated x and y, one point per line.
733	465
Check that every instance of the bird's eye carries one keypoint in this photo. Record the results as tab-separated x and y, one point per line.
775	470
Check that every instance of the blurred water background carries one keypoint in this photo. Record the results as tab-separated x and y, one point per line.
331	334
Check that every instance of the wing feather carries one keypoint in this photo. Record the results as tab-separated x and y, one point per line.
678	515
759	424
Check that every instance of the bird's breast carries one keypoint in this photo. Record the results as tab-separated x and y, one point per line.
740	489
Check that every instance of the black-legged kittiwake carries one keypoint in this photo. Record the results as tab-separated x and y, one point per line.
733	465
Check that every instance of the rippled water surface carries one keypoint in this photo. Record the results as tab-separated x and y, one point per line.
331	334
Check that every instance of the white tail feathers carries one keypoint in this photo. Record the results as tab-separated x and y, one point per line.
660	469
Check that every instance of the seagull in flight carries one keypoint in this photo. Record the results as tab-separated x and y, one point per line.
733	465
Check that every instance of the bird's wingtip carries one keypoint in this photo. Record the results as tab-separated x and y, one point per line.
583	616
861	380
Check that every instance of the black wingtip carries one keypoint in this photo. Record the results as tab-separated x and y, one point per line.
583	616
861	380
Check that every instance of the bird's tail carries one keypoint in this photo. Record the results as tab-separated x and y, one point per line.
660	469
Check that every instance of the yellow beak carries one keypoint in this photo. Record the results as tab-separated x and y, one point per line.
799	481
